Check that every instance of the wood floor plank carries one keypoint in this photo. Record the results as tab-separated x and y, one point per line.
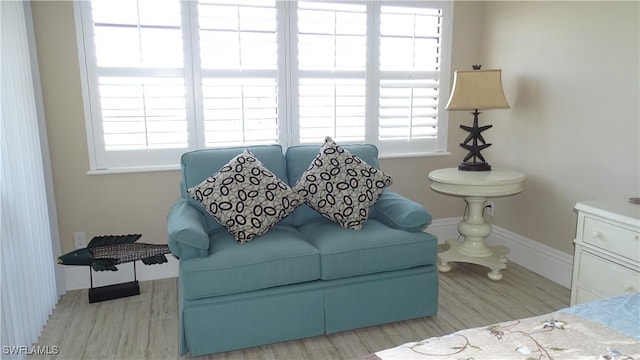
164	302
53	332
485	301
71	345
74	339
349	344
162	339
70	301
288	350
146	326
264	352
105	335
375	338
229	355
134	333
438	325
319	347
398	333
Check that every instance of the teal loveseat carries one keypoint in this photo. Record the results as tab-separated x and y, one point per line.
304	277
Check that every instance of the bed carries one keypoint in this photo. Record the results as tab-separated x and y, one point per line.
604	329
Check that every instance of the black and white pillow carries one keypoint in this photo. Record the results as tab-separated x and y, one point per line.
245	197
340	186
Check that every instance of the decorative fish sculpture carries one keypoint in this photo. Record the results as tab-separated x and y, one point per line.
105	252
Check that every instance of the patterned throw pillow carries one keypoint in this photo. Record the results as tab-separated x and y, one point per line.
245	197
341	186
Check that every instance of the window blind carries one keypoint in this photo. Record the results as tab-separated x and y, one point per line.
410	57
138	47
332	62
28	284
238	49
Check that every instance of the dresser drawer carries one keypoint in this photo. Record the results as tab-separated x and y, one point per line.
606	276
618	240
583	295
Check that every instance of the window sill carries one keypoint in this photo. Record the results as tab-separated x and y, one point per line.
143	169
134	170
414	155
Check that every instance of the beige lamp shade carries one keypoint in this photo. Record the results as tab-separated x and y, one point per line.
477	89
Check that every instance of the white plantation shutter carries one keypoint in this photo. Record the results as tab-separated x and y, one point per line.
331	107
347	53
139	92
240	111
238	72
162	77
410	77
332	63
143	113
408	109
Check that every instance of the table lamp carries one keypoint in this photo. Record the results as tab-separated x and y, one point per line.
476	90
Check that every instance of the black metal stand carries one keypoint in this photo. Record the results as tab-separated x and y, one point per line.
115	291
478	144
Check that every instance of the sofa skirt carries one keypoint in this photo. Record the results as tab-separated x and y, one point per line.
382	298
239	321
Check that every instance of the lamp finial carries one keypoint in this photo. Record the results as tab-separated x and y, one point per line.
476	67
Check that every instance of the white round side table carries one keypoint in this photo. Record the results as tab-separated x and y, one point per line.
476	187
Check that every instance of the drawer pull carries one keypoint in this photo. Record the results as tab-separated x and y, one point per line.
596	234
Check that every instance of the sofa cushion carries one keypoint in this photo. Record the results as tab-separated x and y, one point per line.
375	248
298	159
340	186
199	164
279	257
245	197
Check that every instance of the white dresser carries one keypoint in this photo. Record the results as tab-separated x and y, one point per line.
607	250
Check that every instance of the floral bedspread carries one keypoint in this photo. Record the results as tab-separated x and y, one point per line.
552	336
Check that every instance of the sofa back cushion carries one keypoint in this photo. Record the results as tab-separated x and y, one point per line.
298	159
200	164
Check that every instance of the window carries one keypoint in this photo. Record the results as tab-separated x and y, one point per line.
161	77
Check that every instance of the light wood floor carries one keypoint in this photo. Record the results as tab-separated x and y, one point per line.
146	326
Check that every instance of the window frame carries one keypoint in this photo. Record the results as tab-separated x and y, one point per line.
288	115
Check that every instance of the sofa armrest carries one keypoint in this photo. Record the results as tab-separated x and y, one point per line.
187	235
401	213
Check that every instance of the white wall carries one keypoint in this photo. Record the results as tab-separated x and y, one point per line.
571	74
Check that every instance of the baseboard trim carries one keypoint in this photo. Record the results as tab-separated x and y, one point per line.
544	260
553	264
530	254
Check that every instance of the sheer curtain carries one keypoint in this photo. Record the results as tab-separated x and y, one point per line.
30	282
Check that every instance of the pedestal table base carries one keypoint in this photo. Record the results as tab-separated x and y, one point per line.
496	261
